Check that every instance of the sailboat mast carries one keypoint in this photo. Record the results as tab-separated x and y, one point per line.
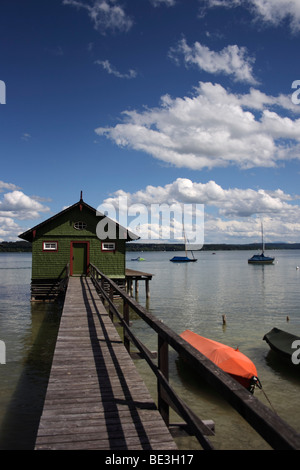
262	237
185	243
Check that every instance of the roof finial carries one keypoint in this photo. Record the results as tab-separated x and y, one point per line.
81	196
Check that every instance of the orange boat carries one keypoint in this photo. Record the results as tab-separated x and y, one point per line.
230	360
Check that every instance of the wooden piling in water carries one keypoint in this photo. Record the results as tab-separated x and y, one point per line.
133	275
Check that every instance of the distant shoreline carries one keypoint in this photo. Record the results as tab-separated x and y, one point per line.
22	246
211	247
15	247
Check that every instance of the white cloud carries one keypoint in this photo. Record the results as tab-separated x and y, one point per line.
239	211
248	230
168	3
25	136
113	71
232	60
9	186
213	128
15	206
230	202
270	11
8	229
18	205
105	15
275	11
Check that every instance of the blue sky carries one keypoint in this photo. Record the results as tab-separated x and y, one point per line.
159	101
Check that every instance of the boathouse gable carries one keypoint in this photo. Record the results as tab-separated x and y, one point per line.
67	242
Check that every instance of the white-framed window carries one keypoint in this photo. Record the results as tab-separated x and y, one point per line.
108	246
50	246
80	225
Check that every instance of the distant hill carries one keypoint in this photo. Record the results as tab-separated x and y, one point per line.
15	247
23	246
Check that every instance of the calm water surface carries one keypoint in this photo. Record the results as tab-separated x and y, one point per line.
29	331
254	300
195	296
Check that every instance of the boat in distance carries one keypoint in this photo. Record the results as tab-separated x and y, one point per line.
183	259
281	342
230	360
261	259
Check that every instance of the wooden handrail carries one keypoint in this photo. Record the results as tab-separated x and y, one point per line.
63	283
68	270
268	424
196	426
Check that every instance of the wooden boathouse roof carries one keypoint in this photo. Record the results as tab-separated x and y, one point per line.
29	235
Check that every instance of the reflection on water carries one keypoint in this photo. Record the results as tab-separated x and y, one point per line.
29	331
196	295
283	368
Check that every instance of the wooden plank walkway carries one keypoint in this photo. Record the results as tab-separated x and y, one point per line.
95	397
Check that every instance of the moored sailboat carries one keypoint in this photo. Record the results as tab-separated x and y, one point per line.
261	259
184	259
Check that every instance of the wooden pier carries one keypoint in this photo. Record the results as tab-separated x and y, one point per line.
95	397
97	400
133	275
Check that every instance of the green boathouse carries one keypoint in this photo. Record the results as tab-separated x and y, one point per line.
67	243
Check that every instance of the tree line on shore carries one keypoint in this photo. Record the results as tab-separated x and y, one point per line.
23	246
210	246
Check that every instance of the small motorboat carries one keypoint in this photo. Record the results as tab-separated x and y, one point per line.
230	360
138	259
283	344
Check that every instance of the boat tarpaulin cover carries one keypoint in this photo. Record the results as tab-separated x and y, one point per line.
227	358
281	341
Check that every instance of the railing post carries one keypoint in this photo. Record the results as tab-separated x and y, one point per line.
111	298
163	365
102	288
147	289
126	319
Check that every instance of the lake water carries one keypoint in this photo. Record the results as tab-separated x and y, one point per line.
195	296
29	331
